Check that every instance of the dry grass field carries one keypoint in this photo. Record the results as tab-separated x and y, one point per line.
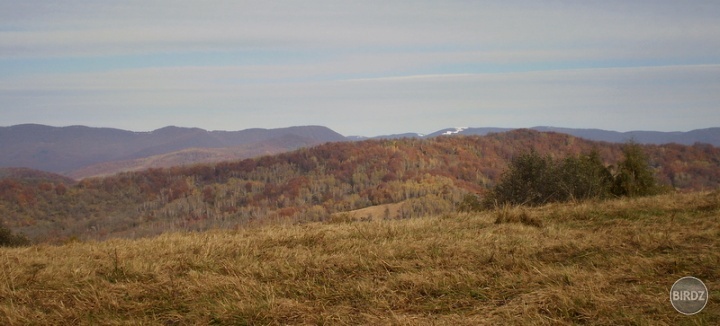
607	263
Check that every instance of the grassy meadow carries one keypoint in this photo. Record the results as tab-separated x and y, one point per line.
606	262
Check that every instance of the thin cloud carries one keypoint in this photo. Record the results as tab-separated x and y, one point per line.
160	26
423	64
613	98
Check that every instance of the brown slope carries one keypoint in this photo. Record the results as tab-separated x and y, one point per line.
32	176
192	156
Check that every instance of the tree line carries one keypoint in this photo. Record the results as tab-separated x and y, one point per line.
534	179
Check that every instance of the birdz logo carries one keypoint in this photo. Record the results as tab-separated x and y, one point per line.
689	295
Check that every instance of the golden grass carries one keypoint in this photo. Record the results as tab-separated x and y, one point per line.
610	263
379	212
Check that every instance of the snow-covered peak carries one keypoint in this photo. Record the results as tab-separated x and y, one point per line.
456	131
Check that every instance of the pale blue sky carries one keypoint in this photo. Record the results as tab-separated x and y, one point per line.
361	67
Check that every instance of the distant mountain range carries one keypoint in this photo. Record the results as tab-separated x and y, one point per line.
708	136
79	152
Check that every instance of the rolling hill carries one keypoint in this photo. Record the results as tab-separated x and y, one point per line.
196	155
419	176
707	136
31	176
80	152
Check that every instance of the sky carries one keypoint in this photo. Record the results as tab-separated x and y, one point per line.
361	67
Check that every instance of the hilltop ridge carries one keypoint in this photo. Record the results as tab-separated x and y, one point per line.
80	152
708	135
422	176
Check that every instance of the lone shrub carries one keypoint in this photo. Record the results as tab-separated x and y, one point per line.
530	179
533	179
10	239
470	203
584	177
634	175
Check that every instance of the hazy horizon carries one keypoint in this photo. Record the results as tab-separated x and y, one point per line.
400	132
361	68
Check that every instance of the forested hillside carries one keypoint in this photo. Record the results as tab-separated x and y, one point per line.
425	176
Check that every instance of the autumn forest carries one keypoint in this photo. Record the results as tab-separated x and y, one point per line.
418	177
